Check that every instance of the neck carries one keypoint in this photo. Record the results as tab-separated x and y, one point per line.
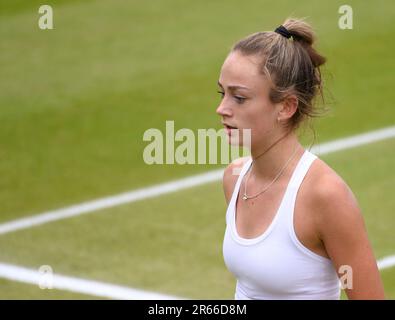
269	159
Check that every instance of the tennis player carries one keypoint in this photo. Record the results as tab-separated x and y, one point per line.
294	229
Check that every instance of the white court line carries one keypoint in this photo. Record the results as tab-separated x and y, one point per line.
94	288
105	290
386	262
189	182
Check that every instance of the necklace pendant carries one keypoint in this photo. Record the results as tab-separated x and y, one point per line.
245	197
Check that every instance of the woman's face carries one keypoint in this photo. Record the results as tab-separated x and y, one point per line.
245	102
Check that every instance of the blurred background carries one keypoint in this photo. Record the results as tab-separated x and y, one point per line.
75	102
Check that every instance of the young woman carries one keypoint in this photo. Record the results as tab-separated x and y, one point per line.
294	229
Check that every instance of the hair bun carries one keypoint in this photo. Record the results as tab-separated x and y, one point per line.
303	33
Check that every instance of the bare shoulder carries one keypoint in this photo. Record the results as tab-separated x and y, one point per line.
327	185
231	174
331	197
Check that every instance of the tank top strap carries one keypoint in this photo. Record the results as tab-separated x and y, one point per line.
241	172
300	171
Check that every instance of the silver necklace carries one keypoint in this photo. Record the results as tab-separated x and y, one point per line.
246	197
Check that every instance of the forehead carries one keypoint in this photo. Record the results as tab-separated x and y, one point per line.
241	70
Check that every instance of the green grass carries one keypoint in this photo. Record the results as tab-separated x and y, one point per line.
388	276
75	102
11	290
170	243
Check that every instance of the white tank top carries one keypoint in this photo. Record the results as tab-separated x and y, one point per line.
276	265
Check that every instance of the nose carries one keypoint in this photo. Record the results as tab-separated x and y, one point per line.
223	110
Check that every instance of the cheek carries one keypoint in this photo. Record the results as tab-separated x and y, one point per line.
260	122
259	117
262	126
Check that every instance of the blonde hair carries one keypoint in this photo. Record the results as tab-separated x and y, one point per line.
291	64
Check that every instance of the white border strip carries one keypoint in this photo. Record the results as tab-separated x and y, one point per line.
386	262
354	141
108	202
189	182
105	290
94	288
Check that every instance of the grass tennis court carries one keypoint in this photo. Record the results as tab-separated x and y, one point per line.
75	102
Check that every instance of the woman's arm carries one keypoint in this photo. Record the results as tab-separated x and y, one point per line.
342	229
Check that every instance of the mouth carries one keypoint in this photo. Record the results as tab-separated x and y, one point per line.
229	129
228	126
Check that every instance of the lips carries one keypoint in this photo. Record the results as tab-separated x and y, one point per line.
228	126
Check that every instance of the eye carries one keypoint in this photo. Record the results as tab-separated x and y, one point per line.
239	99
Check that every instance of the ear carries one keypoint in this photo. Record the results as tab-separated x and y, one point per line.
288	107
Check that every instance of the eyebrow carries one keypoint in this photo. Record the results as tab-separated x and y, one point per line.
234	87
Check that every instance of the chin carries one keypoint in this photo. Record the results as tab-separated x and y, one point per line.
234	142
239	138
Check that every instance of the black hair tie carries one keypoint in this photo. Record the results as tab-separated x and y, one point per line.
283	31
